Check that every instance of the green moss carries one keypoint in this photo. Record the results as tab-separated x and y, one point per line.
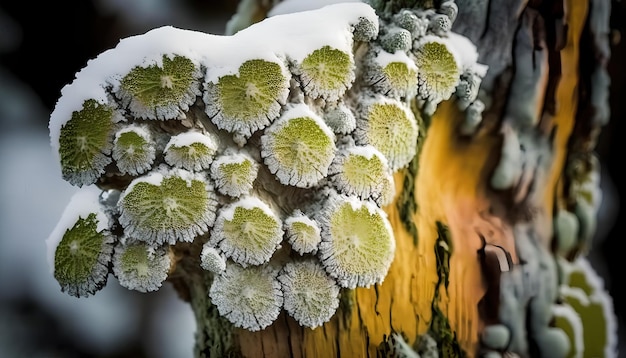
195	156
443	251
440	326
441	331
85	142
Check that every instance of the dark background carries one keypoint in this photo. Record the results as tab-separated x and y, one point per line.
43	45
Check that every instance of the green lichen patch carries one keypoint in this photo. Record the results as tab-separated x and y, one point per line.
583	291
298	150
192	151
327	73
247	231
438	71
133	150
302	233
357	242
234	174
163	91
167	208
249	298
140	267
82	257
402	80
311	297
249	101
85	142
391	128
363	171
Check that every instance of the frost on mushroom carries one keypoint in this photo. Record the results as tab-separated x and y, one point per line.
298	148
250	297
162	90
247	231
191	150
81	245
249	101
234	173
85	142
167	206
391	128
302	233
326	73
311	297
133	149
140	267
357	241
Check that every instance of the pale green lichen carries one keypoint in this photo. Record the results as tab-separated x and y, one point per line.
191	150
298	148
247	231
140	267
249	298
363	171
85	142
166	208
438	70
583	290
402	80
211	259
357	241
249	101
82	257
234	174
302	233
391	128
326	73
161	91
397	39
340	119
311	297
134	150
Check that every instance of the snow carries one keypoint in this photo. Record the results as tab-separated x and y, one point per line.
383	58
248	203
189	138
291	6
222	55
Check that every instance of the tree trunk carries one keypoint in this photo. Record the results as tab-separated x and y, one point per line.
474	213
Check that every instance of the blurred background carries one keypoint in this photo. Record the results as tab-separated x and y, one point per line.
42	46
